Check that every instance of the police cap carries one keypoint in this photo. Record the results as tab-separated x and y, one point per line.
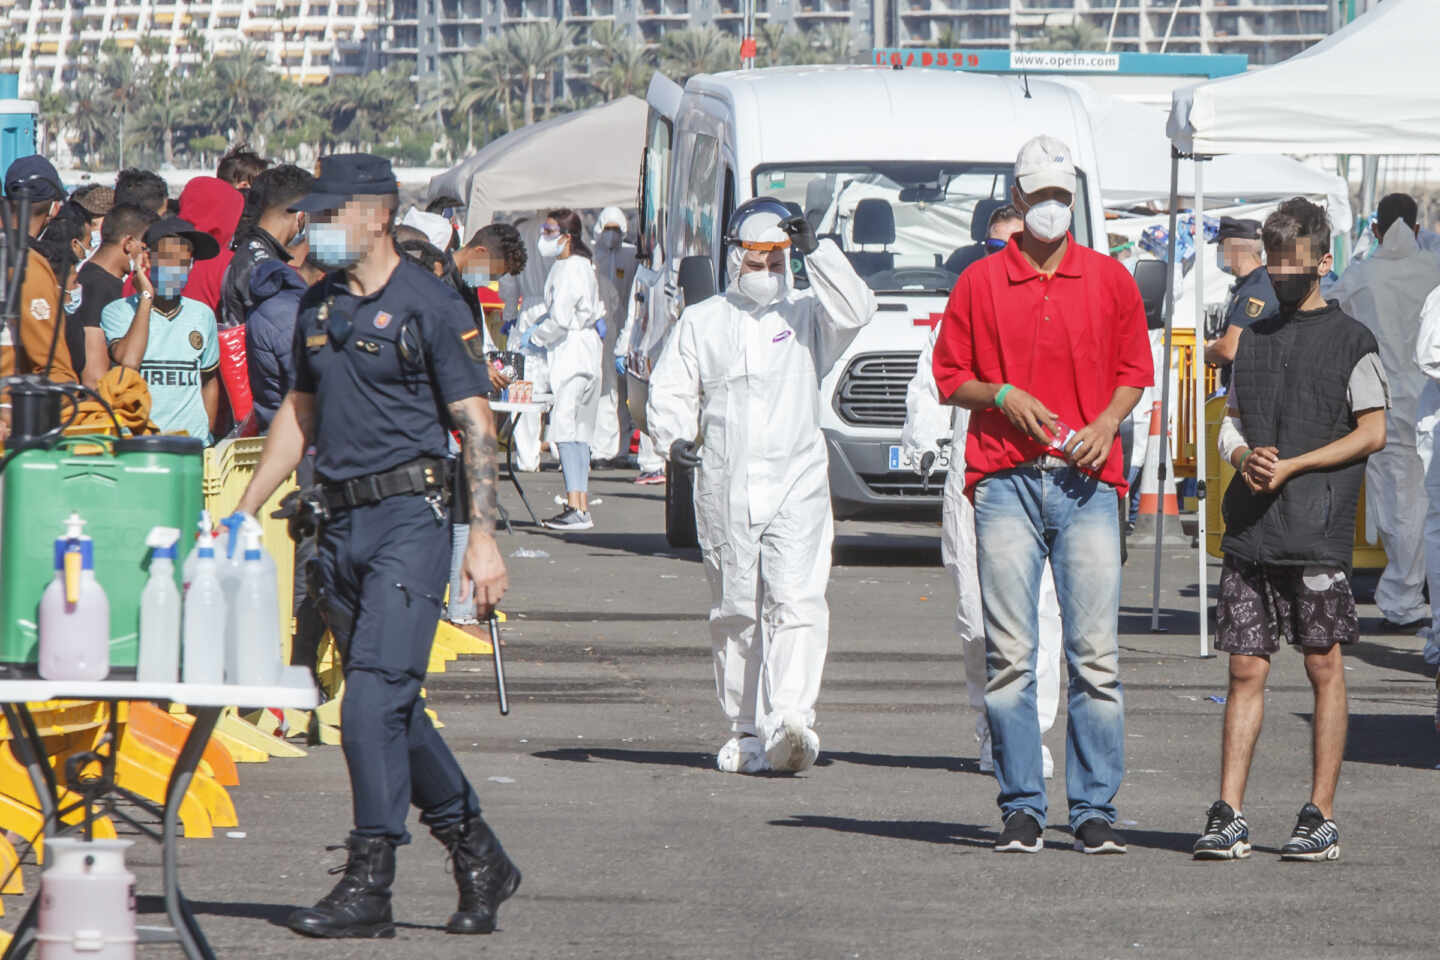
346	175
1233	228
35	176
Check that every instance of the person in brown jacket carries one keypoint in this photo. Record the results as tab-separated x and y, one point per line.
41	347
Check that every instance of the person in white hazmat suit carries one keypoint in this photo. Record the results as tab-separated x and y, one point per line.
529	298
572	345
927	422
1427	441
615	271
736	394
1385	292
647	276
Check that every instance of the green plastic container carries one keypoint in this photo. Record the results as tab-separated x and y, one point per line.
122	488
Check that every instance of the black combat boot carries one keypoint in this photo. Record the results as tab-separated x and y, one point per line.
359	906
485	876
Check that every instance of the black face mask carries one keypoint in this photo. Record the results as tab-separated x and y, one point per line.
1291	289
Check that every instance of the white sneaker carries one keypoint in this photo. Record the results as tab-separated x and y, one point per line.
793	746
987	754
743	754
1047	761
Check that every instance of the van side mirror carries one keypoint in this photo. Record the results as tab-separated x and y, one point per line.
697	280
1150	277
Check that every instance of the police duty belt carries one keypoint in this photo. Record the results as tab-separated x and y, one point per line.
426	476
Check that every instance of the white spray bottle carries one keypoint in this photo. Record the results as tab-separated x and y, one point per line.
205	528
204	618
160	611
74	612
254	656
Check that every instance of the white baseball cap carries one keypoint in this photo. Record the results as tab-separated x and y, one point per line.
1044	162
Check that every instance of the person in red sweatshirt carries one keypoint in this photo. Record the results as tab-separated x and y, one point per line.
214	207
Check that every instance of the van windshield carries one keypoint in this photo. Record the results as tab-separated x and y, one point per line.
906	227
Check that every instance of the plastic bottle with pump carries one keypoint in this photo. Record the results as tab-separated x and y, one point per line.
74	612
253	654
204	617
160	612
205	528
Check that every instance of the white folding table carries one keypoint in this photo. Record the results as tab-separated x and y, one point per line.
296	690
512	411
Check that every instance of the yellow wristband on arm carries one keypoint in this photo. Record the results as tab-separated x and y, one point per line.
1000	395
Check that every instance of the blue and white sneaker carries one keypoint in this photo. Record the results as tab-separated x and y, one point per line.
1315	838
1226	836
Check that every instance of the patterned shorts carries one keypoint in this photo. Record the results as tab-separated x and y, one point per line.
1259	606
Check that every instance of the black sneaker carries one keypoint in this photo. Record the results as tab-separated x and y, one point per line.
570	519
1226	836
1314	838
1097	836
1021	835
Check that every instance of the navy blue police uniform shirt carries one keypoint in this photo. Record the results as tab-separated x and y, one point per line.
1252	299
378	406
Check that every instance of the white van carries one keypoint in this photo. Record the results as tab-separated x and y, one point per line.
889	163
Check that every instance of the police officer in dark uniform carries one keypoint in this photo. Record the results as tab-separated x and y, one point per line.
1251	296
387	358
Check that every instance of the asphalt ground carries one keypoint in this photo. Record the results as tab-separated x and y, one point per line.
602	787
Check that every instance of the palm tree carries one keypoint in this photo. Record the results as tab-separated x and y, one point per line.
54	109
167	105
92	117
490	71
834	43
293	118
453	95
686	53
244	86
1076	35
624	62
770	42
365	109
535	48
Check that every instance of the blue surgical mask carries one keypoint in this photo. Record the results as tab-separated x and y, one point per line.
475	279
299	237
168	281
330	246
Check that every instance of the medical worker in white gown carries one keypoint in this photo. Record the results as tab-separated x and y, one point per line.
736	393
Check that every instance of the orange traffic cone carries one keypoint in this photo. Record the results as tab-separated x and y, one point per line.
1157	488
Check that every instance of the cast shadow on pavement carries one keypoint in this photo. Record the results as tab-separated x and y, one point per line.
1388	657
663	758
886	549
948	764
274	914
974	835
1390	739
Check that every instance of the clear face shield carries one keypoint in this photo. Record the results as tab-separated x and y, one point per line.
758	251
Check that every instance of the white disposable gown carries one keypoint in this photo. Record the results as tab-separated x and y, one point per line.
927	422
746	382
1427	424
637	321
615	272
529	311
1385	292
572	347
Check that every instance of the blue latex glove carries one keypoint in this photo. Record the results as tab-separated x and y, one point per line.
524	341
600	328
620	367
506	327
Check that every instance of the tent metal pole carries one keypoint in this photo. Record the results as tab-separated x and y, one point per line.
1197	376
1165	381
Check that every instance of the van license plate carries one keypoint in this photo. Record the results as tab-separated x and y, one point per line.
899	460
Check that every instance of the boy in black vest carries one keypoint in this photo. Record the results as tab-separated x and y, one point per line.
1306	408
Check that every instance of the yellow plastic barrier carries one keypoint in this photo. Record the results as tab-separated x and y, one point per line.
1367	555
1182	360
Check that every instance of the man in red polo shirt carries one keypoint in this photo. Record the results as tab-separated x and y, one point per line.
1046	343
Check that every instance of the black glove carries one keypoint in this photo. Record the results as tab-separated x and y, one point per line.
802	235
299	517
682	453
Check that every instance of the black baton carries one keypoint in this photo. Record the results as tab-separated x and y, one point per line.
499	665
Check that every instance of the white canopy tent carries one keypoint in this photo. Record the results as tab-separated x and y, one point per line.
589	158
1310	103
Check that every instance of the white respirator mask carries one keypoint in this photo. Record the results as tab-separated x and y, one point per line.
549	247
1048	220
762	287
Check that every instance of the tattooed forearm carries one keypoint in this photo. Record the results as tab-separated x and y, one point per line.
479	448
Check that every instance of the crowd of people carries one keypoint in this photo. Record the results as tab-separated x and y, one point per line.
372	341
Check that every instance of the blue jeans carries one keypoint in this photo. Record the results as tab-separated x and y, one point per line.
1023	516
575	464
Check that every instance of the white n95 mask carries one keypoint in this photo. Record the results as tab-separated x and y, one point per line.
548	247
762	287
1048	220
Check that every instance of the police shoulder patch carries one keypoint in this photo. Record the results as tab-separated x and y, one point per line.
1254	306
196	340
474	344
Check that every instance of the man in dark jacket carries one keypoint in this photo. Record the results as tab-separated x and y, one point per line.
1306	408
267	231
275	287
